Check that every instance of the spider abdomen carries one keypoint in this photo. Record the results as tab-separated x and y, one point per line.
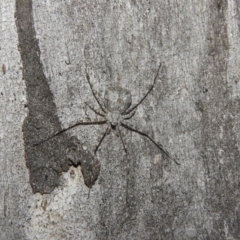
117	99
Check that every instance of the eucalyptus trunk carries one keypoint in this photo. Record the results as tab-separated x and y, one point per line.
72	166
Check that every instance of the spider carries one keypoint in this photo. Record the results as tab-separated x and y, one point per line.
115	110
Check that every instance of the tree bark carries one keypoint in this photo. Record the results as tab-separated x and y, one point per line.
54	187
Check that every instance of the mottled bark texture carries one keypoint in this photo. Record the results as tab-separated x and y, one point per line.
48	48
45	159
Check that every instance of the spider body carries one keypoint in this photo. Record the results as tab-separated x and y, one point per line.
117	99
115	109
114	119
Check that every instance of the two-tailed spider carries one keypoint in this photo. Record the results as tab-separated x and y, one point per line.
115	110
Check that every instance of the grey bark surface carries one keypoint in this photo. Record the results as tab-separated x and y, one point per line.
193	111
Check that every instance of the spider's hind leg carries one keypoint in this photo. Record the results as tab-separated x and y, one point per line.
144	97
93	92
94	110
129	116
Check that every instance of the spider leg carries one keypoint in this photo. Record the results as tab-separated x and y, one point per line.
98	113
150	89
65	129
120	134
130	116
89	192
95	96
151	139
104	135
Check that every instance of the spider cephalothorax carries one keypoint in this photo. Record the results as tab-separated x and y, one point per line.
116	101
115	110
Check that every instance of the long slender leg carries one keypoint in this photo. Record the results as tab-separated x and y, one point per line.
151	139
120	134
130	116
104	135
98	113
65	129
150	89
89	193
95	96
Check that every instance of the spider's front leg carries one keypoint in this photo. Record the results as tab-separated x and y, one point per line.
159	145
107	131
120	134
68	128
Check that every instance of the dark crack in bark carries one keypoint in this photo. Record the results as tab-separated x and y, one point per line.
45	161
